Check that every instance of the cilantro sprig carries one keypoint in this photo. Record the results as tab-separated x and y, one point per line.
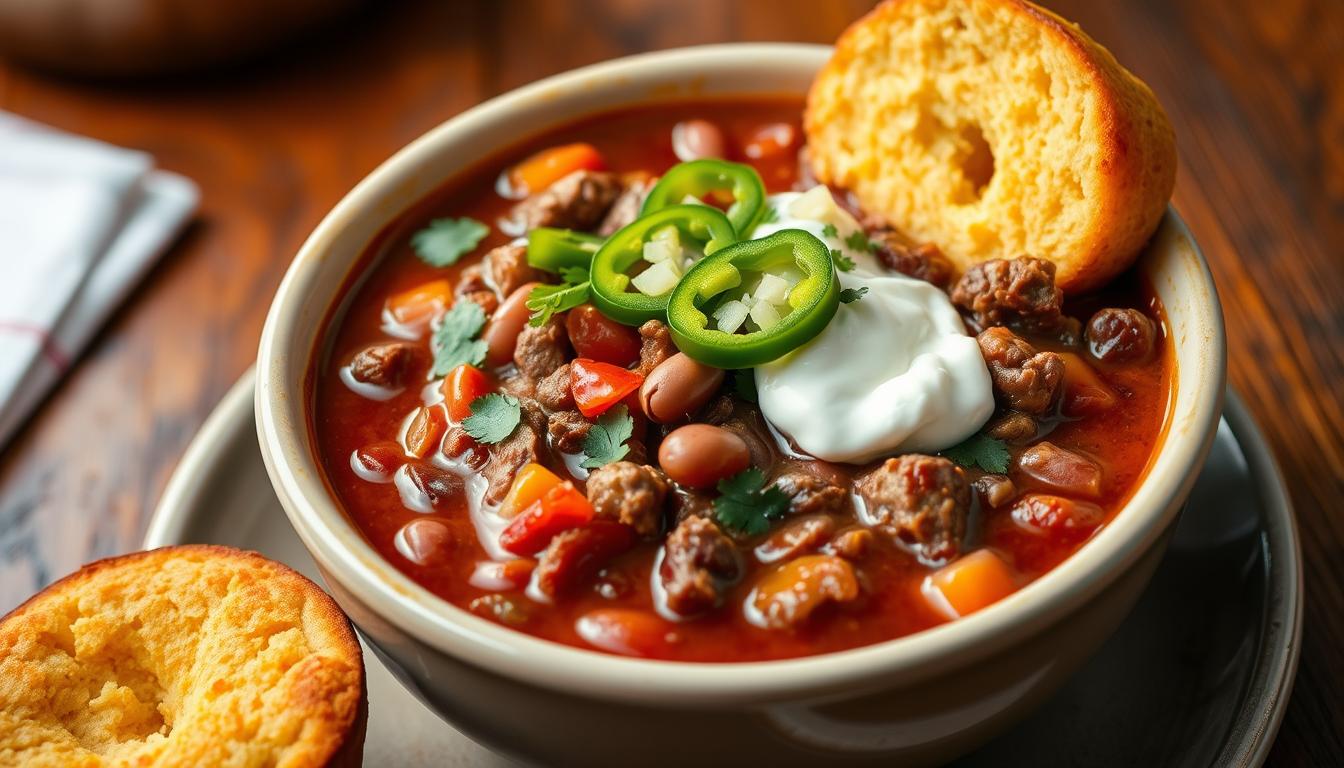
830	231
746	505
858	241
605	441
455	341
841	261
743	382
546	300
445	241
851	295
990	454
493	417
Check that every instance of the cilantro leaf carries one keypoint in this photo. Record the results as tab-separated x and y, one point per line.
841	261
744	384
747	507
605	442
858	241
445	241
574	275
546	300
493	417
851	295
829	231
455	341
980	449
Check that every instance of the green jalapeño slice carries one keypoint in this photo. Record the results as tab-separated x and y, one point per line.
636	269
755	301
696	180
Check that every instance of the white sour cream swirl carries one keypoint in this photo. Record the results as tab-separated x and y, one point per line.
894	372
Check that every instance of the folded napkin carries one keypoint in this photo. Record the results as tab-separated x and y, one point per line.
80	223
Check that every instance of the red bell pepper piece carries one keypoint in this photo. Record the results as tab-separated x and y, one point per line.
560	509
598	386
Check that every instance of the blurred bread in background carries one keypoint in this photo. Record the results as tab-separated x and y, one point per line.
118	38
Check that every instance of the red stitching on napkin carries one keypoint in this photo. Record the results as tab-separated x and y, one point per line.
50	351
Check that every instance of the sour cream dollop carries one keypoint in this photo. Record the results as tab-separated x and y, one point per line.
894	371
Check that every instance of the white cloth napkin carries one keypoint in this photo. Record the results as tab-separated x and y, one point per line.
80	224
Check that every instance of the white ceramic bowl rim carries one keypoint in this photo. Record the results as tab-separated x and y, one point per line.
348	558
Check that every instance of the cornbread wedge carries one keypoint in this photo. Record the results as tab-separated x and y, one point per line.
183	656
994	128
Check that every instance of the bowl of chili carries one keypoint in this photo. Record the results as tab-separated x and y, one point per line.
919	698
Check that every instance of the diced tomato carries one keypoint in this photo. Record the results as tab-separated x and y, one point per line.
550	165
575	556
596	336
626	631
414	308
464	384
425	431
529	485
969	583
560	509
597	386
770	140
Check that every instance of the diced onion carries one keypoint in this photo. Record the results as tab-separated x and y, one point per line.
656	251
816	204
730	315
772	289
764	315
692	200
657	279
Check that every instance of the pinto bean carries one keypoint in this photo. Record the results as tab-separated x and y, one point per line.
1061	469
501	333
697	139
700	455
1058	516
788	595
625	631
424	541
677	388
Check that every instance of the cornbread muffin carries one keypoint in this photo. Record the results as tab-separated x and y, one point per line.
183	656
994	129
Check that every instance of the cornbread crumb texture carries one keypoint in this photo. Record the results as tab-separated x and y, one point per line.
994	129
190	656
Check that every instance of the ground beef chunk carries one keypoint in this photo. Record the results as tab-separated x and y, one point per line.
1024	379
1012	427
577	201
920	501
568	429
524	446
921	261
384	365
629	493
575	556
811	495
655	346
1120	336
626	208
507	269
699	562
1017	292
852	544
541	349
553	391
995	490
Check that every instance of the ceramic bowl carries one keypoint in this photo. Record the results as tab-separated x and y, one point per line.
915	700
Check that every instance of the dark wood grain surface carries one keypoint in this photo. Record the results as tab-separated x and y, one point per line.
1254	90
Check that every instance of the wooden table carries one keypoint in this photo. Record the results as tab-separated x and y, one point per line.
1253	90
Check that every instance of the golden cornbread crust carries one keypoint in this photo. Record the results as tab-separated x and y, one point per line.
993	129
182	656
